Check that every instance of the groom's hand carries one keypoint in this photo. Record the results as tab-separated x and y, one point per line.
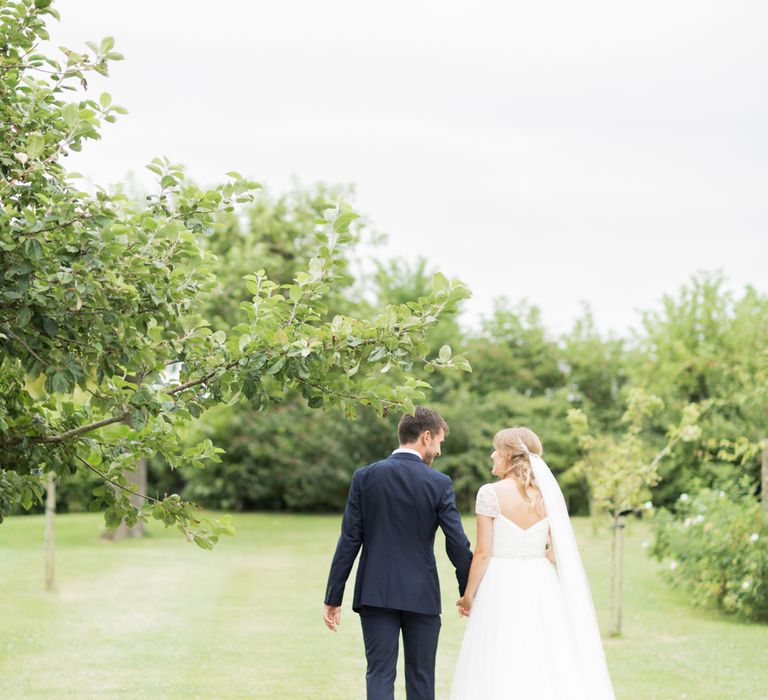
464	605
332	616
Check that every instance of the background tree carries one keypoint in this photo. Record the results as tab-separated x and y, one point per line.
519	378
706	344
595	371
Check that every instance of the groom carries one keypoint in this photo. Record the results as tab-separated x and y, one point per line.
393	511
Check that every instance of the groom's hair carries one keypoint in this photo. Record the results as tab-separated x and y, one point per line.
414	424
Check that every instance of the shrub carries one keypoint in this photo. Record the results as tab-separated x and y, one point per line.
717	549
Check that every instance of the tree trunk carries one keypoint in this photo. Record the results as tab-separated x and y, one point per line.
764	475
592	513
50	534
617	582
138	479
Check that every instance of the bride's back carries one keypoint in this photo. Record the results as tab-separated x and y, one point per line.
514	507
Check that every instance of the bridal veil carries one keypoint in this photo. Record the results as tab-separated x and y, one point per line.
574	584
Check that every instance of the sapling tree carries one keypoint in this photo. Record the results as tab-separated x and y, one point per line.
620	471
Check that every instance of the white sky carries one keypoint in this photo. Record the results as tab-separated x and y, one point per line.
559	151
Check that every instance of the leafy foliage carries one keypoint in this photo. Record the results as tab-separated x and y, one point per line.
716	546
706	345
474	421
621	470
105	353
291	459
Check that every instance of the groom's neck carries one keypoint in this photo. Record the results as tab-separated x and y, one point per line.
413	446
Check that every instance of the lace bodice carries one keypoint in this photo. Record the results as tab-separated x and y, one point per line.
509	539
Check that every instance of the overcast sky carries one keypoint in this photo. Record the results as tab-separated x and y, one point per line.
565	152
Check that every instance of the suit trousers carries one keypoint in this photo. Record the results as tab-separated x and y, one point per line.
381	633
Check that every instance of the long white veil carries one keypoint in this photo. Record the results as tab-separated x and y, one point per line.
573	581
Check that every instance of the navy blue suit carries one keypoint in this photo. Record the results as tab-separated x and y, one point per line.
393	511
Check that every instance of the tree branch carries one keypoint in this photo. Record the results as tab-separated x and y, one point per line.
53	439
57	226
117	484
75	432
26	346
150	499
202	380
71	340
327	390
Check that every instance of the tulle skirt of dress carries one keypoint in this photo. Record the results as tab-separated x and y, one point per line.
518	644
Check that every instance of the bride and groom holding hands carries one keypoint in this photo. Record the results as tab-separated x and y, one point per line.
531	630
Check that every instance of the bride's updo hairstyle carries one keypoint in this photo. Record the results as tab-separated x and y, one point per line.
514	444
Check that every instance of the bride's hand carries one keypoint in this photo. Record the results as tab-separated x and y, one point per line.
464	605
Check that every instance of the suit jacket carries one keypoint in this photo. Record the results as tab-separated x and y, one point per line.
393	511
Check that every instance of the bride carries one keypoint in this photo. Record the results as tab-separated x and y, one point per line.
532	632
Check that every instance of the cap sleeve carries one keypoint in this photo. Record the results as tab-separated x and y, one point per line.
486	503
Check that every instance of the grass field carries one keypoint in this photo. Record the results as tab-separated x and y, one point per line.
159	618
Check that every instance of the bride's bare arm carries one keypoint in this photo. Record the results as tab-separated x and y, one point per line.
480	560
550	549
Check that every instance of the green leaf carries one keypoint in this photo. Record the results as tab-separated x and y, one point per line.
60	383
24	317
26	499
440	282
35	145
71	115
50	326
352	371
204	541
225	528
112	518
33	250
342	222
95	505
377	354
105	99
316	269
462	363
243	342
445	353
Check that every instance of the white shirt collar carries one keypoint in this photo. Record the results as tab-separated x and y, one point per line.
408	450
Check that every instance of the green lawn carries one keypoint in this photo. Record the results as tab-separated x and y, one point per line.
159	618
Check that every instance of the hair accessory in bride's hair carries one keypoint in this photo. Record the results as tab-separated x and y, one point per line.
525	448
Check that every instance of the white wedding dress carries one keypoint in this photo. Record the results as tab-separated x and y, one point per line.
519	642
